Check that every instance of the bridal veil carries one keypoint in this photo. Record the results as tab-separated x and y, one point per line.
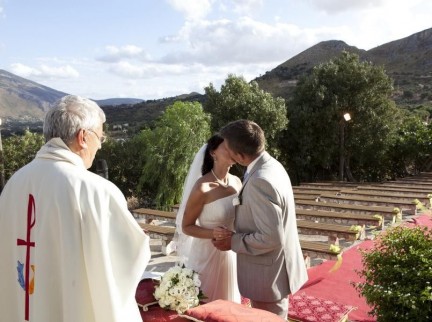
183	242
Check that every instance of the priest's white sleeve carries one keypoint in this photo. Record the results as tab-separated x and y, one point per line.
116	252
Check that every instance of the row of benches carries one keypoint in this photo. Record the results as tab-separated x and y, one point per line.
321	224
330	209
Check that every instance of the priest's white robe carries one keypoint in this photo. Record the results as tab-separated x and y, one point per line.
70	251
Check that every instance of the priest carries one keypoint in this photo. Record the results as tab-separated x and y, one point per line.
69	248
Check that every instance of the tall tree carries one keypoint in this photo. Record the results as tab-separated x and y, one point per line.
412	151
238	99
169	149
123	158
319	142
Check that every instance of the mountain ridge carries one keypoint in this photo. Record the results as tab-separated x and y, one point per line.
408	61
405	60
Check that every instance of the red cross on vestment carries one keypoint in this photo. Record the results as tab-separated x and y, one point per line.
31	219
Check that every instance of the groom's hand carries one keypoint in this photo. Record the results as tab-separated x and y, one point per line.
221	232
222	244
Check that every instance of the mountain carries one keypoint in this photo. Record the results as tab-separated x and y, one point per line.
282	80
25	100
21	98
412	54
118	101
408	61
143	113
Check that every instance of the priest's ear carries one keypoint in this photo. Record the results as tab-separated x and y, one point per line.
81	139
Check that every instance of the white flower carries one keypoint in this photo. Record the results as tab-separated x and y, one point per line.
179	289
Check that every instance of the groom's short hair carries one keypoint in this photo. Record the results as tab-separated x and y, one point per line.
244	136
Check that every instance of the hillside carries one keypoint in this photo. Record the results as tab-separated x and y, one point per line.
23	99
27	101
138	115
118	101
282	80
408	61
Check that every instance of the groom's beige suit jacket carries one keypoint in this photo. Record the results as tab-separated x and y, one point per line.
270	262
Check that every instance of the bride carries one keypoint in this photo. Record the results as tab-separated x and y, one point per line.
207	203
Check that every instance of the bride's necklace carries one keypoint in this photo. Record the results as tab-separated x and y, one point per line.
221	183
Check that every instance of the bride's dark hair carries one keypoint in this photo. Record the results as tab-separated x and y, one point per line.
212	144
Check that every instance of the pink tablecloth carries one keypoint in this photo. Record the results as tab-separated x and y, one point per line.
154	313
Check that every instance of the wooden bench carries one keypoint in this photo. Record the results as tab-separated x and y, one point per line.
310	192
344	218
306	196
386	212
303	189
151	214
163	233
394	189
390	184
312	249
423	198
416	179
332	231
328	185
411	182
407	207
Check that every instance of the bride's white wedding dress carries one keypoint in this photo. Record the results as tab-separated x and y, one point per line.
217	269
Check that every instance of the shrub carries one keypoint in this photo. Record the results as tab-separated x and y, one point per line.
397	275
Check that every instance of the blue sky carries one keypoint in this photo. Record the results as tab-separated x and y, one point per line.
152	49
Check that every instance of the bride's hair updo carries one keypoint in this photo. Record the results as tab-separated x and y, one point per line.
212	144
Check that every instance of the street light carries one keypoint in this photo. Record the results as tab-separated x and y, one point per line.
346	118
2	174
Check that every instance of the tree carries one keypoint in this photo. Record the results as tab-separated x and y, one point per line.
318	140
20	150
123	158
412	151
169	148
238	99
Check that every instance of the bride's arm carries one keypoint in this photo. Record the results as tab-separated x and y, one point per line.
194	207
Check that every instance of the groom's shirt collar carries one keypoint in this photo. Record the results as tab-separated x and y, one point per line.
251	165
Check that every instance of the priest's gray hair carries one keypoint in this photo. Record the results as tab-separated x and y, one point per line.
70	114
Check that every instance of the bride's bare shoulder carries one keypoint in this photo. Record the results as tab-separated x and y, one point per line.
203	183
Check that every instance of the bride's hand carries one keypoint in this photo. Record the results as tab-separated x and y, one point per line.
220	233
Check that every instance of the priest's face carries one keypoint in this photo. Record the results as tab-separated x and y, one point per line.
94	138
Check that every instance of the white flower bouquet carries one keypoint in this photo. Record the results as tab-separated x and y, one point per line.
179	289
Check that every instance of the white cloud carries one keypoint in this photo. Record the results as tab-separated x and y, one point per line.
44	71
199	9
192	9
131	70
393	20
219	37
337	6
241	7
243	41
23	70
116	54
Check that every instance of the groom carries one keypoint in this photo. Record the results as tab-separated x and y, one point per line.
270	263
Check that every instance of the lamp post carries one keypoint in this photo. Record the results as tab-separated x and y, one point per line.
346	118
2	174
